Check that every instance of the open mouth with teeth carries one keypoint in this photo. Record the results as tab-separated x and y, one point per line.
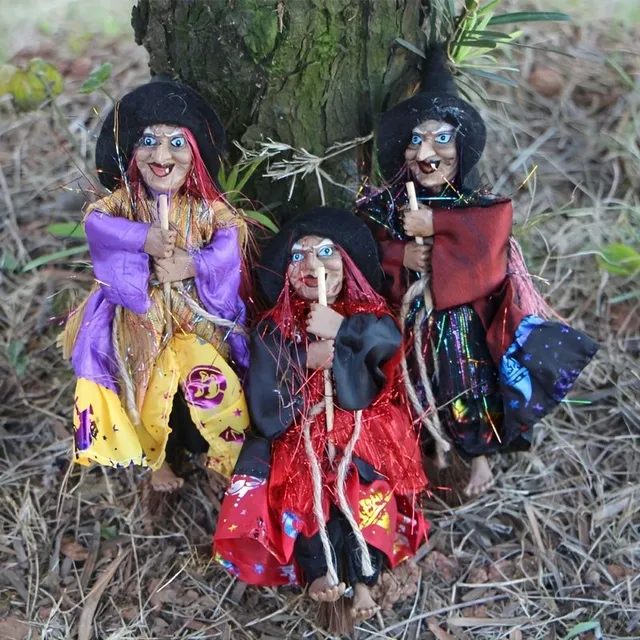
429	167
310	281
161	170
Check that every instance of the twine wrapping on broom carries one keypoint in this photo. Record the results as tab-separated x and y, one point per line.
343	468
429	418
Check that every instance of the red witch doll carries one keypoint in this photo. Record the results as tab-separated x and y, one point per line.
292	515
483	348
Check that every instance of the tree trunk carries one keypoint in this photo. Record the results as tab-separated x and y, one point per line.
309	73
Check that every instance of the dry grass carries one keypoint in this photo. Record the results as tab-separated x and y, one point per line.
555	544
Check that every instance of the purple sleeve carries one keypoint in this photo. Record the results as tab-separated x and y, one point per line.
119	263
218	282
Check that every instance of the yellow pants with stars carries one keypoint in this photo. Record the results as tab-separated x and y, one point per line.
105	434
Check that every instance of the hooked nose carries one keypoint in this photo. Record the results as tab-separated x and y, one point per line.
161	153
311	262
425	151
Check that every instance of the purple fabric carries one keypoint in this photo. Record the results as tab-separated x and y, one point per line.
123	269
218	282
119	264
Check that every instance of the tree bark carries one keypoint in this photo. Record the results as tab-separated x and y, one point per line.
309	73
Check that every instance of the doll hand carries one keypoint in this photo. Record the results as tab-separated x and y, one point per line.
160	243
419	222
323	321
416	256
320	354
179	266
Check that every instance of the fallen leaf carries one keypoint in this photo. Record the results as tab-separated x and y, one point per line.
617	572
478	575
12	628
159	595
447	568
129	614
74	550
547	82
439	633
85	630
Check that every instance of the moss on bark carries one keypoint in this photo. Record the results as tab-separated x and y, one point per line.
318	80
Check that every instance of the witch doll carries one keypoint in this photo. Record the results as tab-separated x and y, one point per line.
324	492
485	362
158	347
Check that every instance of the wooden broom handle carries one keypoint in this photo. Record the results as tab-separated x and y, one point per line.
328	385
163	203
413	203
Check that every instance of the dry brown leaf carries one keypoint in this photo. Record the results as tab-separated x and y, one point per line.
74	550
12	628
85	631
477	575
129	613
446	567
618	572
394	586
439	633
547	82
158	595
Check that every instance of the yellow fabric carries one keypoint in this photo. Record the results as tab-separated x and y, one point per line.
216	401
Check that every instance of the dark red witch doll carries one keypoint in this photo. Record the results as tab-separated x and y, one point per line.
292	514
483	347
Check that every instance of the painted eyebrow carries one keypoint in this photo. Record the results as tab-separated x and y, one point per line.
445	128
176	132
326	242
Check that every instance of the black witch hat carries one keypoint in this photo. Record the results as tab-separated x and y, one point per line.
161	101
344	228
438	100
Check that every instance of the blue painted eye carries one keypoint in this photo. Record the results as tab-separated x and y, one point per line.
149	141
416	139
297	257
178	142
325	252
444	138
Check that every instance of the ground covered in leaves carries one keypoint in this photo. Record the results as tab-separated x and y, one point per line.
551	551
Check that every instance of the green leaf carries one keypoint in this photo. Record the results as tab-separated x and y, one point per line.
483	44
96	78
248	172
8	262
489	35
619	259
410	47
494	77
17	357
232	179
54	257
488	7
30	87
530	16
222	176
263	219
108	533
583	627
66	230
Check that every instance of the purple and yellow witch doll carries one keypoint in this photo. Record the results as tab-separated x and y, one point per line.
158	347
486	362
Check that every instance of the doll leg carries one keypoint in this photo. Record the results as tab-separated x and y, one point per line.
363	605
309	554
481	479
184	436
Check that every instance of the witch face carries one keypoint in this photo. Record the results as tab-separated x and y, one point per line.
307	254
163	157
431	155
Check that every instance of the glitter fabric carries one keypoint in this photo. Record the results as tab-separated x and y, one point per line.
466	382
